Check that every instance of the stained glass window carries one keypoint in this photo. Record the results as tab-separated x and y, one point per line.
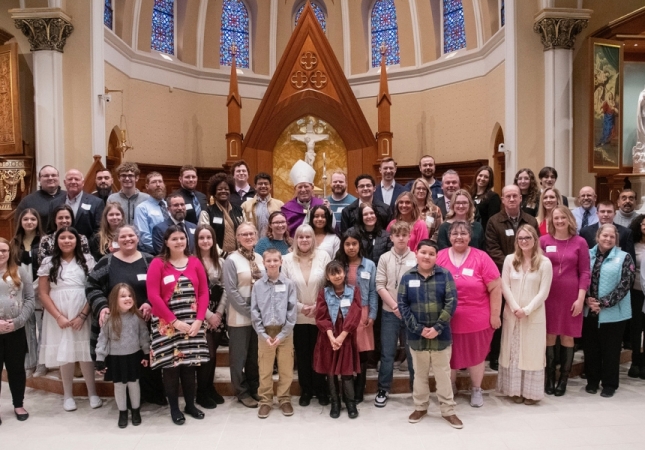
320	15
108	15
235	30
163	26
385	32
503	14
454	30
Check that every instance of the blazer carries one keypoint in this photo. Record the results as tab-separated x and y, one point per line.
441	203
625	238
191	216
398	190
159	230
236	200
87	219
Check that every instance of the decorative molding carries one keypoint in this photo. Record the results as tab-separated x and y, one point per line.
45	28
558	27
5	36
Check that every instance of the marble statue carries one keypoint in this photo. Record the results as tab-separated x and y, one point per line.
638	151
310	137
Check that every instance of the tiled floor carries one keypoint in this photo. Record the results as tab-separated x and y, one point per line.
577	420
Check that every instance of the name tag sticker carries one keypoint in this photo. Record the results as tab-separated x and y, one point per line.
365	275
168	279
142	276
340	209
281	288
85	206
218	220
345	303
510	232
115	244
410	263
189	206
467	272
192	230
429	220
551	248
414	283
155	213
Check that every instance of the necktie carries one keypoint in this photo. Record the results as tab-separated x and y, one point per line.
164	210
585	218
241	193
447	204
182	226
196	206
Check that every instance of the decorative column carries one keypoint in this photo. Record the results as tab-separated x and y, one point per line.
383	103
47	30
234	104
558	28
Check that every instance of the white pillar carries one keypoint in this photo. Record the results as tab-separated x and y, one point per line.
558	28
47	30
510	93
97	61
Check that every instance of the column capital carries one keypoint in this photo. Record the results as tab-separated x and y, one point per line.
558	27
45	28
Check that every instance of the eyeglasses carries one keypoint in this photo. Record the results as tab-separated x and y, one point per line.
249	234
126	175
364	186
279	223
461	203
458	233
525	238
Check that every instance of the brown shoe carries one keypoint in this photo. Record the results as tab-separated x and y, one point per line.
518	400
249	402
287	409
264	411
528	401
416	416
454	421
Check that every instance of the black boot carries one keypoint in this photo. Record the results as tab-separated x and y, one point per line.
123	419
334	397
350	402
549	380
136	416
359	383
566	361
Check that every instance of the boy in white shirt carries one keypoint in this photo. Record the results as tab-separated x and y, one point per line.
391	268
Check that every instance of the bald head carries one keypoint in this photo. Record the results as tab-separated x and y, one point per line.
74	182
511	199
587	197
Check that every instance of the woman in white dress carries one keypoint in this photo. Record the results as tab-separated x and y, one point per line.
305	266
321	222
66	330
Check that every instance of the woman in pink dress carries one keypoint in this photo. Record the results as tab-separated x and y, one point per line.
569	255
479	303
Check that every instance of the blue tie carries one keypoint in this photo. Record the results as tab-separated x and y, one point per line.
585	218
196	206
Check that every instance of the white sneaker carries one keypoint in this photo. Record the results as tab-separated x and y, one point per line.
381	398
476	399
96	402
69	404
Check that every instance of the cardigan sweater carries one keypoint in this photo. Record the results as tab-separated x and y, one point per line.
162	279
306	290
238	283
17	304
134	337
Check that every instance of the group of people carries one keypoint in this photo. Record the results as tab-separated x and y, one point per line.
145	287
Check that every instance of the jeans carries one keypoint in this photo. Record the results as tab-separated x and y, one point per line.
391	327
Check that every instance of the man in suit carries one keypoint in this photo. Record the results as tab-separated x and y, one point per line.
243	190
177	210
427	168
87	208
195	200
388	189
365	189
450	184
606	214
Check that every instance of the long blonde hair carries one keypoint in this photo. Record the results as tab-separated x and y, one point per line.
536	253
106	237
541	210
470	215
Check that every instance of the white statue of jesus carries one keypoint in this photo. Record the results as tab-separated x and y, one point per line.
638	151
310	138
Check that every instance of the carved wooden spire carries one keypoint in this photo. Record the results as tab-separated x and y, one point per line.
383	103
234	104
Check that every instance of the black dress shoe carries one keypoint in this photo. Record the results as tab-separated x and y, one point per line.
607	392
123	419
136	416
21	417
591	389
194	413
634	371
206	402
323	399
494	364
305	399
177	417
217	398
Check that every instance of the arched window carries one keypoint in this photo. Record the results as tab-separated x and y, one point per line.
320	15
385	31
454	30
108	14
163	26
235	30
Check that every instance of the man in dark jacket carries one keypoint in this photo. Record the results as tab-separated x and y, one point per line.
606	214
195	200
177	210
50	190
365	189
500	242
87	208
388	189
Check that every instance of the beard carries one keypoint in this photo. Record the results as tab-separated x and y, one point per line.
104	192
159	193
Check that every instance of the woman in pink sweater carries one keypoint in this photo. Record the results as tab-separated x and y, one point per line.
178	292
406	209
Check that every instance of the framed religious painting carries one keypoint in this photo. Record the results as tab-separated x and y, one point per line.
605	118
